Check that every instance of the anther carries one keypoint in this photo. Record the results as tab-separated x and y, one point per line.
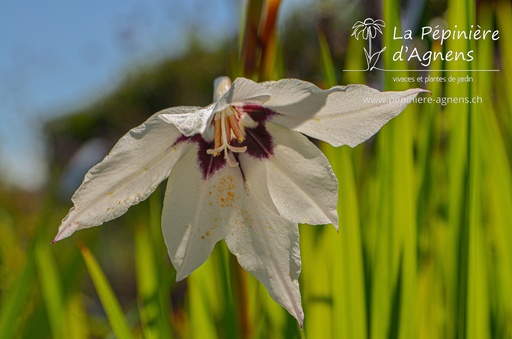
236	128
217	137
227	127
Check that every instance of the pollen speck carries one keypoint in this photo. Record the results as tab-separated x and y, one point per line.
224	192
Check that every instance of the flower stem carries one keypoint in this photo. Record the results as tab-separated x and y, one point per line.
239	283
369	59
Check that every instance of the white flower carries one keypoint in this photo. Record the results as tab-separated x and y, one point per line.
238	170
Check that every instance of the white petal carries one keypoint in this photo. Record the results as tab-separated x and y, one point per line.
243	91
139	161
290	91
197	212
341	115
188	120
267	246
299	180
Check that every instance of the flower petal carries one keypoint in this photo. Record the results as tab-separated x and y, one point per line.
341	115
243	91
366	33
288	92
267	246
300	181
188	120
358	24
372	32
380	23
139	161
358	28
197	212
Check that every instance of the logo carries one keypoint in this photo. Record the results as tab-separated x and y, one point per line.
369	28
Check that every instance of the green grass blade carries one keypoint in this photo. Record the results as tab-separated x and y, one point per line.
13	300
497	190
478	308
203	306
109	301
349	296
459	183
154	319
503	14
328	69
77	325
316	282
348	283
396	252
50	283
154	274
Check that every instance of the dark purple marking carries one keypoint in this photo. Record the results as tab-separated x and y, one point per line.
180	139
208	164
258	113
259	142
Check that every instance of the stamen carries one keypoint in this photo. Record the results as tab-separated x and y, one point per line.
236	128
226	128
216	151
237	149
217	142
230	159
245	119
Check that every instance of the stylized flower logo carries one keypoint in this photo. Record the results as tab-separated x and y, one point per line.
368	29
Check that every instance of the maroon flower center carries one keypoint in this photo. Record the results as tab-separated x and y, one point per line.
237	129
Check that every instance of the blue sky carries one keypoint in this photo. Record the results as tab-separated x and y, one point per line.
60	55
